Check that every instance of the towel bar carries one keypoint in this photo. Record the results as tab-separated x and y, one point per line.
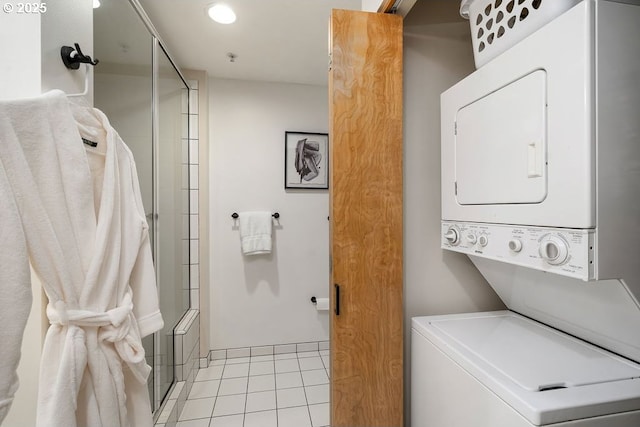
236	216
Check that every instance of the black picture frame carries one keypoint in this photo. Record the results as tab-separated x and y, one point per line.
306	160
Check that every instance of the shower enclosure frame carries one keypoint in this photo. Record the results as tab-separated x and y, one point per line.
159	48
163	377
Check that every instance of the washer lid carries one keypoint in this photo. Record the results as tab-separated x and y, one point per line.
533	356
546	375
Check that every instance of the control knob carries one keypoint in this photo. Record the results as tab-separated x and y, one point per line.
554	249
515	245
452	235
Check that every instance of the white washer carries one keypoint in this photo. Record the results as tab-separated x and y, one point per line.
500	369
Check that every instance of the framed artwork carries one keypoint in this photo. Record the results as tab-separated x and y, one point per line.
306	160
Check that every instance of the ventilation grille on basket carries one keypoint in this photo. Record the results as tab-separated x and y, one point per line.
499	16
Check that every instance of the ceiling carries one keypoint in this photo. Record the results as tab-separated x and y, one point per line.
273	40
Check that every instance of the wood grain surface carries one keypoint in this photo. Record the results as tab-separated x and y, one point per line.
365	104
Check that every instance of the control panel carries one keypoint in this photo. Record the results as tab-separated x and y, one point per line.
569	252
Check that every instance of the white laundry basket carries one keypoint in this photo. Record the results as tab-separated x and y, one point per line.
496	25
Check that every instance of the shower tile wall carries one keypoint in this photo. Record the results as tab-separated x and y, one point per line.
187	333
190	162
187	347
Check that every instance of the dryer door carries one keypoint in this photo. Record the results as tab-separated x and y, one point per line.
500	149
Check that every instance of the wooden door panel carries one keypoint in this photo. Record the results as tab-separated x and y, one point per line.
365	102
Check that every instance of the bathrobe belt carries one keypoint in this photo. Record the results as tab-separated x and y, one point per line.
116	326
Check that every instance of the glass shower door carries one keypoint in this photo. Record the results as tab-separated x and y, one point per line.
123	90
145	98
172	231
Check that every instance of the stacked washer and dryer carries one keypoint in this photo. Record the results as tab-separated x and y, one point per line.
541	189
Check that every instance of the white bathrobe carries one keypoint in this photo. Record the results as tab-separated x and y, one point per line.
83	225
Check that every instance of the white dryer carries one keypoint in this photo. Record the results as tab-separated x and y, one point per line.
541	189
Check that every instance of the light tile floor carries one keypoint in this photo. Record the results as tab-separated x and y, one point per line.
282	390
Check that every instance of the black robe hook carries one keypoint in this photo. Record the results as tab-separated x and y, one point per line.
72	58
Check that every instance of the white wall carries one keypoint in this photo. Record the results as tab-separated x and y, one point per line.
20	47
264	300
371	5
436	281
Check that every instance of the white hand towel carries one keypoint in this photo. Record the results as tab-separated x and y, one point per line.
255	232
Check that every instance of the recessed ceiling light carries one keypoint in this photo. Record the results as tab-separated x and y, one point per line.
222	14
96	4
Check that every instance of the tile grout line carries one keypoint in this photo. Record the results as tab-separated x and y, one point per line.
224	366
305	394
246	395
304	390
218	391
275	387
